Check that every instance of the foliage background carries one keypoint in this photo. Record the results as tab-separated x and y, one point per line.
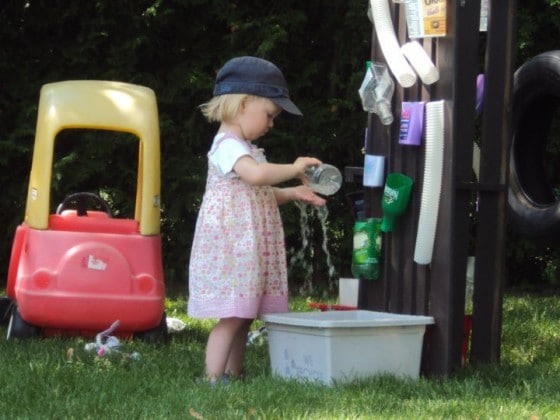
175	47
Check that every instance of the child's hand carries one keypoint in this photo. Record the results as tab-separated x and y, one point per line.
302	163
306	195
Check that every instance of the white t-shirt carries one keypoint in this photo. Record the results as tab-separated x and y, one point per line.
225	152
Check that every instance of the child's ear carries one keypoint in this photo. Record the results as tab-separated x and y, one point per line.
243	104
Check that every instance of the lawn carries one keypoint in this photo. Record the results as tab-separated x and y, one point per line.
58	378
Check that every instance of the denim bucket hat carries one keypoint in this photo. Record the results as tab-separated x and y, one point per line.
255	76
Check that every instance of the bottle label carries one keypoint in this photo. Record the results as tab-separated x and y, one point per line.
390	195
426	18
362	248
405	123
367	249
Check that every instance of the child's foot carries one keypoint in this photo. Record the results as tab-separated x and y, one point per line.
225	379
235	376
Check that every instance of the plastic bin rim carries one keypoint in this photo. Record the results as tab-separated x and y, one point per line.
346	319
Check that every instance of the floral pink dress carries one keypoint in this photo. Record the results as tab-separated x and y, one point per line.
238	261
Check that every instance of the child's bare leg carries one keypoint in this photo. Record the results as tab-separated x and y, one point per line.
234	364
219	345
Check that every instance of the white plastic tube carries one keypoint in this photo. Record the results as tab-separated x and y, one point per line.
431	190
420	62
389	45
476	160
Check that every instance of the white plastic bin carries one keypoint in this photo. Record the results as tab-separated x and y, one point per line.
339	346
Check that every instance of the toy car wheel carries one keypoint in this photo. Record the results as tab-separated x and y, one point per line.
5	307
155	335
19	328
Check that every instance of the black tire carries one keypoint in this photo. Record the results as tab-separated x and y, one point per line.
158	334
5	310
533	207
19	328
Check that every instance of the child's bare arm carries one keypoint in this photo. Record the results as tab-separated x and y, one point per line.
255	173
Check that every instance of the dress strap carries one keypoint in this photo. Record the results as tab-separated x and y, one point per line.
226	135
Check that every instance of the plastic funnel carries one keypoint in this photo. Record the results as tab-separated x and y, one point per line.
395	199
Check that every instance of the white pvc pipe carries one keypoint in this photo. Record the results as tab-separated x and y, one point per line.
421	62
431	189
387	40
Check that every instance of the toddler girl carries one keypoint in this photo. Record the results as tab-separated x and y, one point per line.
238	263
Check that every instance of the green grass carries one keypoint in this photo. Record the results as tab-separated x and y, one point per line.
57	378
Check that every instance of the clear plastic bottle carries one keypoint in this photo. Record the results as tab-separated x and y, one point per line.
376	92
384	90
324	179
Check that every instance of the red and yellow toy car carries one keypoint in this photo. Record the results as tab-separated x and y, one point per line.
78	270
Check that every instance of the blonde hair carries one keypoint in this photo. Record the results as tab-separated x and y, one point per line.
224	107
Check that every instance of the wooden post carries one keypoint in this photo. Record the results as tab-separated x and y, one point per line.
494	160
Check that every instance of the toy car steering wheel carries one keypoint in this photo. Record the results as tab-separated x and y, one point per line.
80	200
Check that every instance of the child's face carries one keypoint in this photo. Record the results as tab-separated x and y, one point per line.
256	117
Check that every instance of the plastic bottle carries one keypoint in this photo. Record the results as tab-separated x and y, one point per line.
367	249
412	123
376	92
324	179
384	94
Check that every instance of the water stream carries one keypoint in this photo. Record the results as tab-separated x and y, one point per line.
304	256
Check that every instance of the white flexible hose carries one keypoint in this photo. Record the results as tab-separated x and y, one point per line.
389	45
421	62
476	160
431	190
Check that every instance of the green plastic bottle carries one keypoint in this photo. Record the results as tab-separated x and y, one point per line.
366	253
